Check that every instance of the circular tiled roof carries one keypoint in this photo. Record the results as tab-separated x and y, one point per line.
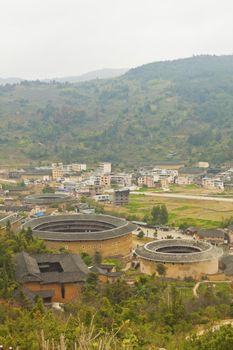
47	198
178	251
79	227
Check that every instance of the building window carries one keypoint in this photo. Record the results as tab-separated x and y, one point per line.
63	291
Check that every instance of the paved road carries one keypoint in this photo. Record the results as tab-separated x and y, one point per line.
149	232
184	196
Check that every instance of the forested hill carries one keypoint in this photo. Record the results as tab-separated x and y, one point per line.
188	68
180	109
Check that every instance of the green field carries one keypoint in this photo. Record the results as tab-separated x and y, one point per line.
221	288
207	214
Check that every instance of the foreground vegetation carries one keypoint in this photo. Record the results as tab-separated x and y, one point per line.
154	313
151	313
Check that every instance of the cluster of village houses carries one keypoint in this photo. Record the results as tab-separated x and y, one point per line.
161	176
201	174
77	177
103	184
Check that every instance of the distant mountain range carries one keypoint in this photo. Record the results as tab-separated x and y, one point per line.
173	110
106	73
4	81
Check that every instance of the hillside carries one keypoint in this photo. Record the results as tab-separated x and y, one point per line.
180	109
106	73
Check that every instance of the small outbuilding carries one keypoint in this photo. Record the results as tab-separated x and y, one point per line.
214	236
106	273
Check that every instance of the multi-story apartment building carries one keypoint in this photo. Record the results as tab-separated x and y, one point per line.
184	180
78	167
124	180
168	174
57	168
105	180
146	180
121	197
105	168
57	172
213	183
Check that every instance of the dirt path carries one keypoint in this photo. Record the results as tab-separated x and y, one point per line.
197	285
127	267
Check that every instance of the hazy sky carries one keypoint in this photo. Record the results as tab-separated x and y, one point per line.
51	38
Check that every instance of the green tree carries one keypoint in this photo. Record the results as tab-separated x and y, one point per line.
140	234
97	258
163	214
29	234
177	306
86	258
155	215
48	189
159	215
183	226
117	292
92	280
161	269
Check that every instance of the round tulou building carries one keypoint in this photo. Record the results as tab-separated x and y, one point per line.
181	258
78	233
48	198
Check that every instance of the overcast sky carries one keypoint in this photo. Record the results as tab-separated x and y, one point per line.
54	38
